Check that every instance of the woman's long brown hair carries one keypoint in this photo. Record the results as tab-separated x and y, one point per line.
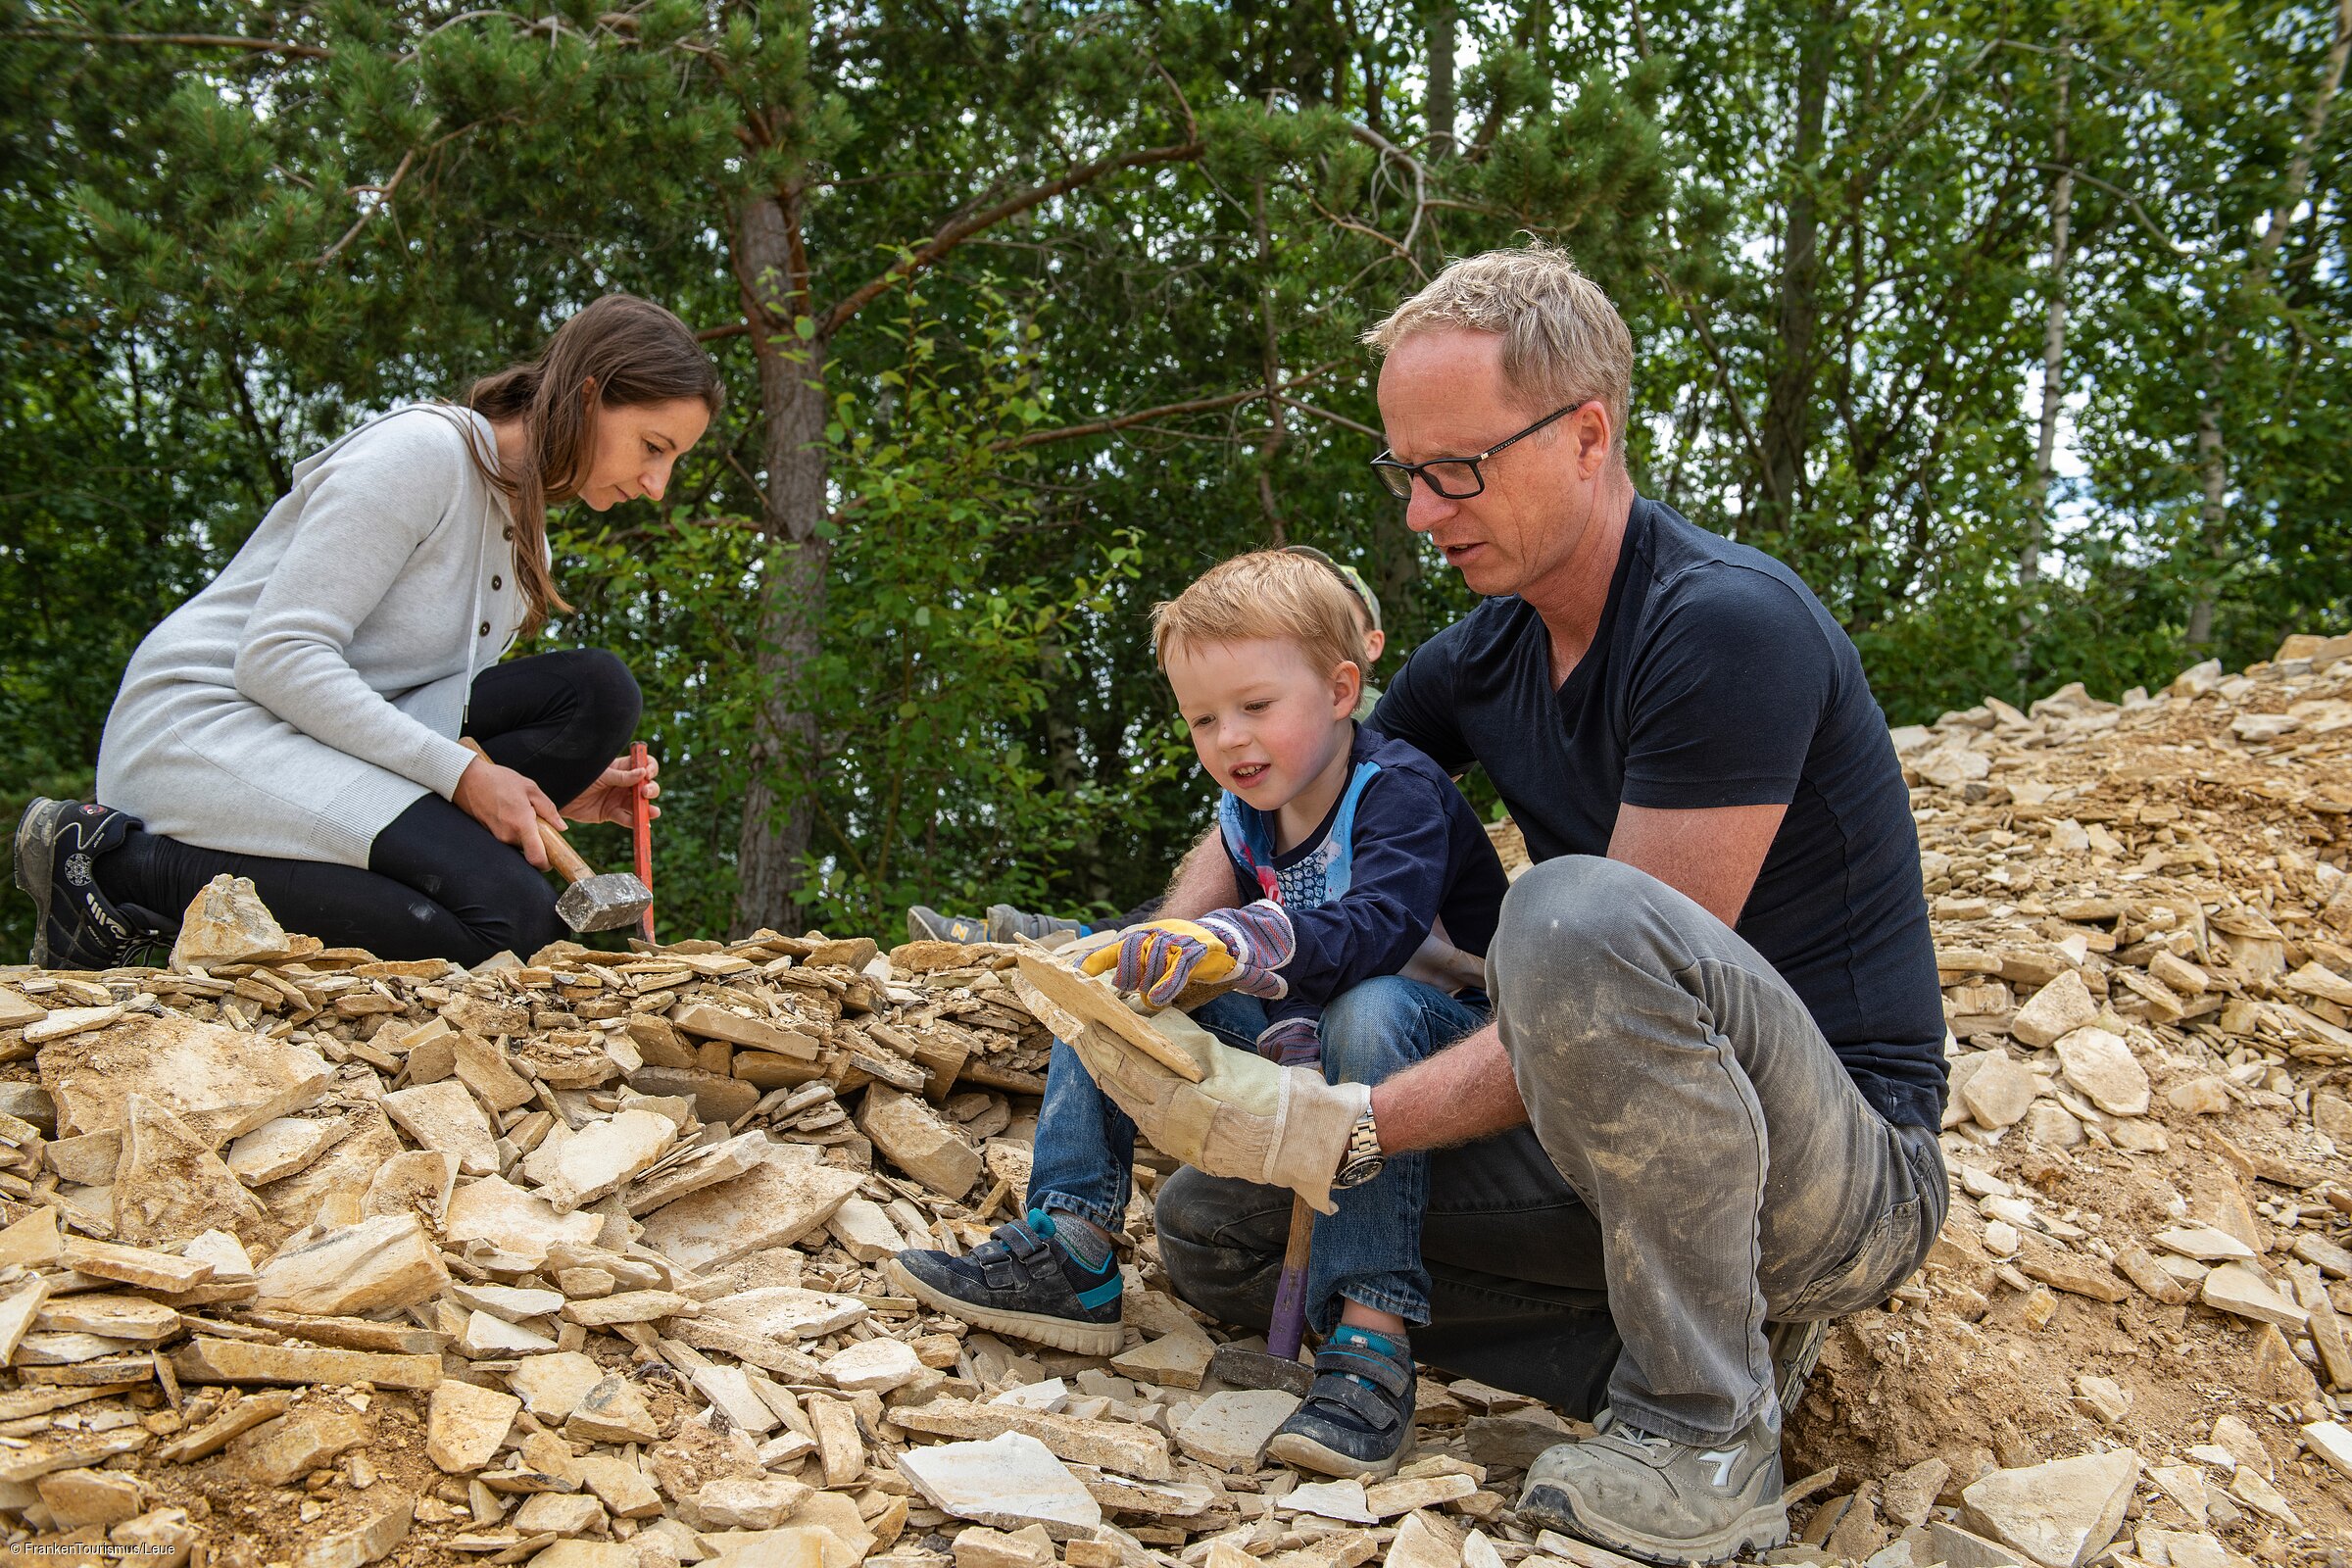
628	353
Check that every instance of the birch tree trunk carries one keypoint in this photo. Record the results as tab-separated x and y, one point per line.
2054	364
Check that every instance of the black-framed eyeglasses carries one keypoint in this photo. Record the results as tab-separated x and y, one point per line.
1456	478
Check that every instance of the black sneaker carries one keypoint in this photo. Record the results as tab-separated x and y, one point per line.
1022	1281
1357	1420
926	924
79	927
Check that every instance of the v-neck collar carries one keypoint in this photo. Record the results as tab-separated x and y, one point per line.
1635	538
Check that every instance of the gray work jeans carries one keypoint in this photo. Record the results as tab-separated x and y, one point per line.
1706	1161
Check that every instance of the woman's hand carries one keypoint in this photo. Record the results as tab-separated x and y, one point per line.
614	796
508	804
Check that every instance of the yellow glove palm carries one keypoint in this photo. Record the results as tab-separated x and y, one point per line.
1162	956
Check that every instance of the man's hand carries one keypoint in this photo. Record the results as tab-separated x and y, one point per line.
1244	945
508	804
1247	1118
612	797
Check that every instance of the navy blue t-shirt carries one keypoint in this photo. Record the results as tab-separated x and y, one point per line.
1715	678
1399	850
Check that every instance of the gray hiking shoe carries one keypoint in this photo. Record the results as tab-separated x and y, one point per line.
926	924
1660	1500
1005	922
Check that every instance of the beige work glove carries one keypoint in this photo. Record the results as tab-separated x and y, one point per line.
1247	1117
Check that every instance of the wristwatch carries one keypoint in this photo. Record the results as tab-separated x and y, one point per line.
1363	1159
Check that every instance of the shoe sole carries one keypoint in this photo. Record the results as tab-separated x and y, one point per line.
32	875
1295	1448
1054	1333
1760	1529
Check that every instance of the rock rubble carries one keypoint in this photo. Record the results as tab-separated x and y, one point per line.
312	1258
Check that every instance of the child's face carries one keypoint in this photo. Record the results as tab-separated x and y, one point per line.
1264	723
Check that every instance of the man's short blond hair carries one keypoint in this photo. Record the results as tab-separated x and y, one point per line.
1268	594
1563	341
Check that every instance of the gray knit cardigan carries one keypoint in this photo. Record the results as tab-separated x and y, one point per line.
315	689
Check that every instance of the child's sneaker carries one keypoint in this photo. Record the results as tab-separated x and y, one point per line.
76	926
1025	1281
1357	1420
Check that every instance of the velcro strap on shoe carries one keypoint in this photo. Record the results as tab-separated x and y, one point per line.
1364	1363
1367	1406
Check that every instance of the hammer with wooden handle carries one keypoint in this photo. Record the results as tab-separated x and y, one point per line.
591	902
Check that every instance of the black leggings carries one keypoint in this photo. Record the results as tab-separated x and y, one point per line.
438	885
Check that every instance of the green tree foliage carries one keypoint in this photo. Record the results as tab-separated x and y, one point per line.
1030	313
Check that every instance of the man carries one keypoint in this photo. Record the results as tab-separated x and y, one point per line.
1715	1060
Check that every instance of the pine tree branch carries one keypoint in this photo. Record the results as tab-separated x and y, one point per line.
1122	422
957	230
183	40
383	199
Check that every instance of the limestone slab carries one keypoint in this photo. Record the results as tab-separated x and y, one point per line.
370	1540
919	1140
574	1168
877	1364
774	1205
704	1167
105	1312
495	1211
381	1265
863	1231
278	1149
2058	1009
170	1184
787	1312
749	1502
2060	1514
465	1424
2100	1065
205	1360
1007	1482
294	1444
226	922
133	1265
1230	1429
612	1411
551	1387
2207	1243
1174	1360
2237	1289
1124	1446
1999	1093
223	1082
444	1116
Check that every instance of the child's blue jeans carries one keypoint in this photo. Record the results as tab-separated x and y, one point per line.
1369	1251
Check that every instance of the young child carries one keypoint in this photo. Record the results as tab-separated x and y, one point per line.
1345	849
1004	922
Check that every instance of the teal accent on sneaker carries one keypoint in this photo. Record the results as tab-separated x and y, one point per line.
1100	1294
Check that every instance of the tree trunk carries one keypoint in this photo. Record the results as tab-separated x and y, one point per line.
1439	18
2053	363
2212	468
1787	410
779	807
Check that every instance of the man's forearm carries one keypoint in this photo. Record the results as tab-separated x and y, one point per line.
1203	882
1463	1092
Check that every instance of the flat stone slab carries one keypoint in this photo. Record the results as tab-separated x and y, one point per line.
1999	1093
774	1205
223	1082
575	1168
876	1364
2100	1065
495	1212
2058	1009
444	1116
1231	1430
2237	1289
2060	1514
1007	1482
211	1360
465	1424
380	1264
277	1149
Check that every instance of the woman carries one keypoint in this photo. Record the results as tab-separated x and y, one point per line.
298	721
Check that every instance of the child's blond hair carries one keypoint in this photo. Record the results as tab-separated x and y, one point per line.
1266	594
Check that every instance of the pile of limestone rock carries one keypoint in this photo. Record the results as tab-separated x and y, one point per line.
319	1261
